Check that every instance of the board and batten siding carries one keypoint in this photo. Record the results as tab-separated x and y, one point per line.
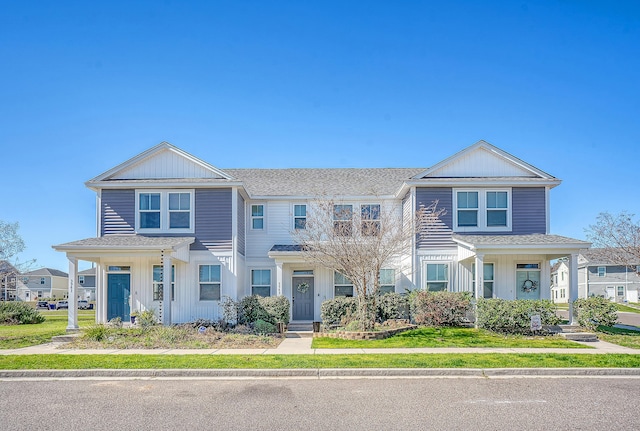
213	220
528	214
440	234
118	212
241	226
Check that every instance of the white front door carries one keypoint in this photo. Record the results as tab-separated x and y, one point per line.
611	293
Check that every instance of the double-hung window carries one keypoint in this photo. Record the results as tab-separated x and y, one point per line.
343	220
42	280
165	211
261	282
370	219
487	287
482	210
158	286
210	281
387	281
342	286
602	271
81	279
437	277
299	217
257	217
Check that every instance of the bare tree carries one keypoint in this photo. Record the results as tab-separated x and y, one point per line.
358	244
11	244
620	235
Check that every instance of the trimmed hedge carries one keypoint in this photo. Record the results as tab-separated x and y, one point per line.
595	311
19	313
440	308
272	309
392	306
510	316
333	310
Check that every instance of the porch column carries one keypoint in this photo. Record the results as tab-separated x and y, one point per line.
479	293
104	294
573	286
166	288
278	278
72	312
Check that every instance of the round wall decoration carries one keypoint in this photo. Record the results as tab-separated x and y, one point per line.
529	286
303	287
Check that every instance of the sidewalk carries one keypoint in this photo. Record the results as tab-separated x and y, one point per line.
302	346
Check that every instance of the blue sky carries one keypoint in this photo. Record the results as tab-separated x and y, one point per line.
87	85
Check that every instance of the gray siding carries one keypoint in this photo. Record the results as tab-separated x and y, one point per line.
118	212
529	210
440	235
241	224
89	281
213	220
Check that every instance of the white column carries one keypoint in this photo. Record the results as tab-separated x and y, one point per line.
105	294
573	286
278	278
479	293
72	320
166	289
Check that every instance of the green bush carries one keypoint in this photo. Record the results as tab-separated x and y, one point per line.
514	316
333	311
392	306
19	313
440	308
595	311
147	318
277	307
262	327
96	333
269	309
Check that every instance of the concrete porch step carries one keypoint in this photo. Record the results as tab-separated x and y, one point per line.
64	338
580	336
571	328
298	334
299	326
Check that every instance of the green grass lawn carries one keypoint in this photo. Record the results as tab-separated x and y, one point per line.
619	336
413	360
446	337
16	336
622	307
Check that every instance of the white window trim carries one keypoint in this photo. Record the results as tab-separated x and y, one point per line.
164	211
81	279
294	216
208	263
333	280
482	211
437	262
604	273
173	283
251	285
263	217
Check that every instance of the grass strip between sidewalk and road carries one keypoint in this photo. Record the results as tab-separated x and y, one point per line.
411	360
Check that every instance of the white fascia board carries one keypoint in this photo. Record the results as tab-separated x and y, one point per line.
160	185
467	182
324	198
118	248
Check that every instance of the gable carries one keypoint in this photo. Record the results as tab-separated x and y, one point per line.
483	160
162	162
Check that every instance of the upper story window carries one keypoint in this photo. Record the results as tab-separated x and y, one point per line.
602	271
342	220
370	219
42	280
81	279
478	210
299	216
257	217
165	211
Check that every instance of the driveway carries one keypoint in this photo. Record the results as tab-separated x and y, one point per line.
625	318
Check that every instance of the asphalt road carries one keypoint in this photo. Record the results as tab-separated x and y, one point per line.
624	318
340	404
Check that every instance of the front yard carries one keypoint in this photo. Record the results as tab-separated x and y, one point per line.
17	336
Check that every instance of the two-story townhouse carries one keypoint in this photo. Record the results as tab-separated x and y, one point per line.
560	282
600	275
87	284
229	232
42	283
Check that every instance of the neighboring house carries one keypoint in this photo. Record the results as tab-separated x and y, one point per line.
560	282
42	283
87	284
599	276
228	232
8	274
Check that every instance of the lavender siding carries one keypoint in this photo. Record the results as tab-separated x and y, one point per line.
440	235
118	212
241	236
213	220
529	210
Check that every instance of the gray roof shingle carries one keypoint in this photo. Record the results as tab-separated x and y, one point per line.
128	241
533	239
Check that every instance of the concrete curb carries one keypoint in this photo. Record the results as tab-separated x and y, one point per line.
321	373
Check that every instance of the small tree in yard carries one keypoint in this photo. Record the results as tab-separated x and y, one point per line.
359	244
620	235
11	244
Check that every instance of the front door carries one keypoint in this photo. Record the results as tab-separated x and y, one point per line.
302	298
118	289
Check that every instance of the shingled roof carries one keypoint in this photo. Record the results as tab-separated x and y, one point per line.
323	182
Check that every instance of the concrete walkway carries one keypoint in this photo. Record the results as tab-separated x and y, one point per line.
302	346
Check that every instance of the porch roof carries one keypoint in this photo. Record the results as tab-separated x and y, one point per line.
553	245
127	242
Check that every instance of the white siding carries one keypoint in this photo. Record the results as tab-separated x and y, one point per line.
166	164
481	163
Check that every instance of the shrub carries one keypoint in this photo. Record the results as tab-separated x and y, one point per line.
270	309
595	311
392	306
146	319
230	309
19	313
514	316
440	308
334	310
262	327
96	333
277	307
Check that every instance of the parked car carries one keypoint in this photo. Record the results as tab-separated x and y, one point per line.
42	304
62	304
83	305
